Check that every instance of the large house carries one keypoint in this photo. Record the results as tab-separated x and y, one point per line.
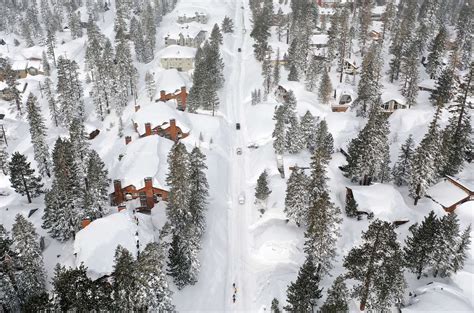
178	57
189	36
451	192
148	194
172	87
199	17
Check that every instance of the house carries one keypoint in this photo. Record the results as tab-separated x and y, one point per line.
350	67
180	95
168	130
319	43
148	194
189	35
345	100
451	192
199	17
172	86
427	85
392	102
178	57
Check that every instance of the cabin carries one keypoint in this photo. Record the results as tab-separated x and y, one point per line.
319	44
350	67
178	57
345	100
427	85
199	17
167	130
392	102
148	194
189	36
451	192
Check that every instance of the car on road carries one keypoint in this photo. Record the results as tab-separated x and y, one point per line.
237	126
241	198
239	151
252	145
239	50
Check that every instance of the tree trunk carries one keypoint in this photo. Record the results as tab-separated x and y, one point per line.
26	188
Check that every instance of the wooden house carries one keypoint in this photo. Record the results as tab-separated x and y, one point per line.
148	194
392	102
179	95
168	130
451	192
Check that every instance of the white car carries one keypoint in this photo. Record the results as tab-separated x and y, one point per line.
242	198
239	151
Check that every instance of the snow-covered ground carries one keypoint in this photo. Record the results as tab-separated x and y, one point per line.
260	253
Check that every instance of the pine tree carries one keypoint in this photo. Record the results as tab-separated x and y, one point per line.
52	104
8	295
97	186
183	264
445	87
409	70
401	169
377	266
199	189
262	191
124	283
325	88
437	48
324	141
152	292
309	129
45	64
69	91
150	85
279	134
351	207
304	292
227	25
276	70
445	243
365	21
461	251
30	280
368	89
337	298
38	136
295	141
3	156
216	38
260	33
297	197
420	244
275	308
293	74
267	77
312	74
22	177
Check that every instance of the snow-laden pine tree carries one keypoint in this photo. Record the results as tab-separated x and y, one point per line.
79	147
323	141
351	207
267	72
52	103
124	67
149	26
69	91
445	87
38	132
312	74
325	87
297	197
3	156
150	85
260	33
295	141
23	178
276	70
12	83
308	129
368	150
401	169
45	64
304	292
183	262
30	277
216	37
279	132
337	298
9	300
377	266
365	21
419	244
151	292
461	249
198	190
409	71
275	307
293	75
426	160
368	89
436	52
97	184
262	191
124	283
227	25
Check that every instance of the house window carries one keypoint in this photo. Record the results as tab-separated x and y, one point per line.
142	199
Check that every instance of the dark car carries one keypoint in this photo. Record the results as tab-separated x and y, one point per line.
239	50
237	126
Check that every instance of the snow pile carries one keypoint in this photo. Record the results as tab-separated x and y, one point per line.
170	81
439	297
95	245
158	114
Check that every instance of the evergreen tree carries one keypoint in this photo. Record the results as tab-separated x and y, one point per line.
324	141
409	70
437	48
52	104
325	88
199	189
304	292
150	85
3	156
22	177
45	63
368	89
309	130
279	134
275	308
276	70
260	33
297	197
267	77
261	190
351	207
377	265
293	74
183	264
312	74
445	89
420	244
30	279
401	169
97	186
216	37
365	21
124	283
461	250
69	91
38	136
444	244
227	25
337	298
295	141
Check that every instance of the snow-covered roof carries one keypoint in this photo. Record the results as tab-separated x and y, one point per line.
18	65
35	52
142	158
113	230
175	51
319	39
326	11
188	30
378	10
428	84
158	114
392	95
446	193
466	183
383	200
171	80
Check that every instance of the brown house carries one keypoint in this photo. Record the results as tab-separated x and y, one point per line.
180	95
450	193
148	195
167	130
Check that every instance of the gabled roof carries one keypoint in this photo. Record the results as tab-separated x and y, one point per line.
158	114
175	51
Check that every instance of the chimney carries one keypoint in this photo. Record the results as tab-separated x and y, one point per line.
162	95
128	139
173	130
184	97
147	129
150	202
118	192
85	222
137	107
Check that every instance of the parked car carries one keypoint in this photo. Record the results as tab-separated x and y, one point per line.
239	151
252	146
242	198
237	126
239	50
